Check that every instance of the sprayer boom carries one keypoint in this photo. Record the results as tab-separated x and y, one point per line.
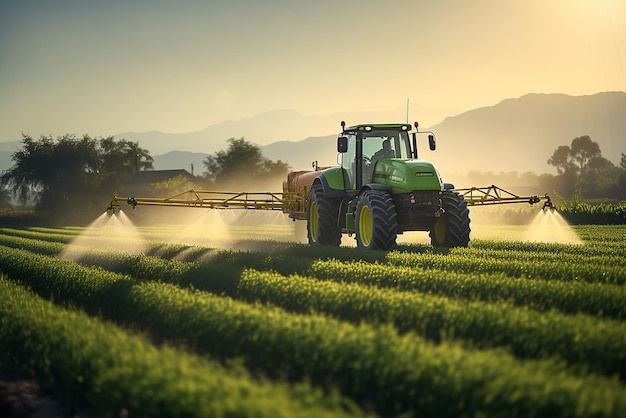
209	200
294	203
494	195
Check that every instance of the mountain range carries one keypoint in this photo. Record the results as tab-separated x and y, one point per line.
517	134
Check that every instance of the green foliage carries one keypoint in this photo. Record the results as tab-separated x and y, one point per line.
20	217
496	329
242	163
581	167
395	373
178	184
578	212
98	365
70	173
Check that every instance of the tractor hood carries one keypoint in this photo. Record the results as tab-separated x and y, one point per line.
405	176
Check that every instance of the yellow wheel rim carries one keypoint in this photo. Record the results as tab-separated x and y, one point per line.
440	229
366	228
313	221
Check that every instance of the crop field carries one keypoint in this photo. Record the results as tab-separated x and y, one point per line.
117	320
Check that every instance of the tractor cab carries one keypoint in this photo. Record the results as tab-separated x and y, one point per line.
363	146
368	151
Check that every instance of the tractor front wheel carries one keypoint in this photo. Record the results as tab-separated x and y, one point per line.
376	221
452	229
322	218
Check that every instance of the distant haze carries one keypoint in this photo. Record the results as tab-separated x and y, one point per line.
110	67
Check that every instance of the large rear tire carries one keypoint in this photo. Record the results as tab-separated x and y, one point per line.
452	229
376	221
322	218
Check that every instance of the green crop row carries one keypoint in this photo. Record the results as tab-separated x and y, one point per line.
38	246
529	333
594	245
515	263
568	297
602	233
608	254
371	364
585	213
547	270
42	236
597	344
98	366
571	258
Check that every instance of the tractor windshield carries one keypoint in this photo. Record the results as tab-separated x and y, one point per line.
386	144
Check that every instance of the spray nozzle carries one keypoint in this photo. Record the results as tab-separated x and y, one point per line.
548	203
132	201
110	209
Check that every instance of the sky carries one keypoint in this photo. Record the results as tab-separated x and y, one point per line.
107	67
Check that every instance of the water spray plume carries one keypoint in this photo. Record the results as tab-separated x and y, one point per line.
234	229
550	226
209	229
110	231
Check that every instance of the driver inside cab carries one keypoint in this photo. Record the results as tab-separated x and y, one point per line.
384	152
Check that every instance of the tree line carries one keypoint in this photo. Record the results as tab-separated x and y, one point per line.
70	177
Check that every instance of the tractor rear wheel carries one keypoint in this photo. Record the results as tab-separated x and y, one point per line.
322	218
376	221
452	229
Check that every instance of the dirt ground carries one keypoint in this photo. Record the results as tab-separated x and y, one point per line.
22	398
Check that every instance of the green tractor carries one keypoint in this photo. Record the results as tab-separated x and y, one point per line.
380	190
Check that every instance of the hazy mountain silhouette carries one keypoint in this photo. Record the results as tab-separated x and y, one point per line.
521	134
514	135
269	127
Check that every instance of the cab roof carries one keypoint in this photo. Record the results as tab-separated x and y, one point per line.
380	126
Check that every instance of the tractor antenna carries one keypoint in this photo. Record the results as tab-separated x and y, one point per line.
407	110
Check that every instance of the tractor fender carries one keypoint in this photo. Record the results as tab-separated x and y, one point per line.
374	186
330	191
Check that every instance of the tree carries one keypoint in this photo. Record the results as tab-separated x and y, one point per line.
576	157
583	149
561	159
71	173
582	168
242	163
598	180
120	160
